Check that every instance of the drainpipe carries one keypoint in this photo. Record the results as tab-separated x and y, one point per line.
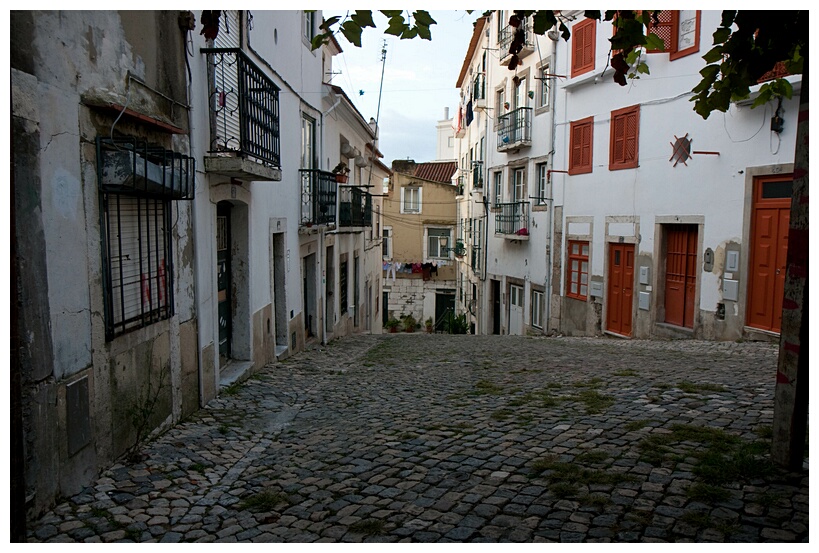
551	211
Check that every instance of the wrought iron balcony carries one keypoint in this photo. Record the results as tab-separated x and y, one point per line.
514	129
477	174
355	207
507	35
318	197
244	117
479	92
512	220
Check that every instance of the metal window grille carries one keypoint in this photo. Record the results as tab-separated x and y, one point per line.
137	261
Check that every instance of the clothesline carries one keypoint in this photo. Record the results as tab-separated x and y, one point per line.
391	268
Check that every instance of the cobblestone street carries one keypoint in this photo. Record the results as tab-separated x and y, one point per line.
436	438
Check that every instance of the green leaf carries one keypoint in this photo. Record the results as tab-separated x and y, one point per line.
642	67
765	95
653	42
713	55
392	13
363	18
397	26
591	14
632	57
721	35
409	32
424	32
352	32
318	40
542	21
423	19
710	72
327	23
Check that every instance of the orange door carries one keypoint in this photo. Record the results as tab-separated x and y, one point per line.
620	289
680	274
769	251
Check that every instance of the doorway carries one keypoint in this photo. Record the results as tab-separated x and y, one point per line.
279	297
223	287
515	310
329	290
444	308
496	307
309	291
680	274
620	289
770	221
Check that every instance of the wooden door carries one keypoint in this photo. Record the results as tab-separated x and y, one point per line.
620	288
770	221
515	310
680	274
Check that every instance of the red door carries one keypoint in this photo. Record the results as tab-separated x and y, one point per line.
680	274
769	251
620	289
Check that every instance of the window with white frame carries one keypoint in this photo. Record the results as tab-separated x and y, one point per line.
308	142
498	176
519	185
438	242
542	182
543	96
537	309
386	243
411	199
309	25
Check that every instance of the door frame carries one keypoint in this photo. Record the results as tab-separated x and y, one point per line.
751	174
781	204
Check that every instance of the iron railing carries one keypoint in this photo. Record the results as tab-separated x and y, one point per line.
507	34
512	218
244	107
514	129
127	165
477	174
355	207
318	197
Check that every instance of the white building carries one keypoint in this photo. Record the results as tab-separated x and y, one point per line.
669	225
505	140
642	219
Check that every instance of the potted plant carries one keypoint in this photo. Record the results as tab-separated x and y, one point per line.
392	325
409	323
429	325
341	171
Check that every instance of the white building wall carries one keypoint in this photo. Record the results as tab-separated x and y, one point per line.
713	189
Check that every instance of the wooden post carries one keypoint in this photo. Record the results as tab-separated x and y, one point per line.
791	396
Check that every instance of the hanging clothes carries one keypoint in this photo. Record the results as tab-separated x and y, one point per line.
469	115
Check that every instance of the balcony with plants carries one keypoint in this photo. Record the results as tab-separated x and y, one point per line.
244	118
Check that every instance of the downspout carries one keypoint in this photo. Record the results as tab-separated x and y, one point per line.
551	211
321	249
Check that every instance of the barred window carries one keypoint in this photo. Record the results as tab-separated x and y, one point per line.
138	264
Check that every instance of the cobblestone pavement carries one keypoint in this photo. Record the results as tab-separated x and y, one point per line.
431	438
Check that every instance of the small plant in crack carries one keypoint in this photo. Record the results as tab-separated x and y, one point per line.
368	527
266	500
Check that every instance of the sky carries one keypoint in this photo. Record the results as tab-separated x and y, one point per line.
419	80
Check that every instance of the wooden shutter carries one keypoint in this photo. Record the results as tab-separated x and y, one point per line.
664	30
580	154
625	126
583	45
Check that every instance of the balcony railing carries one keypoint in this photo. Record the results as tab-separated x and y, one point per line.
514	129
512	219
477	174
475	258
318	197
507	35
355	207
244	108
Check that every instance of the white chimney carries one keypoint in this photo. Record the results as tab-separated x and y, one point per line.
446	113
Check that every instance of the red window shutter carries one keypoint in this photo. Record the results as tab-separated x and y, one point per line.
580	146
583	45
625	127
586	146
664	30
